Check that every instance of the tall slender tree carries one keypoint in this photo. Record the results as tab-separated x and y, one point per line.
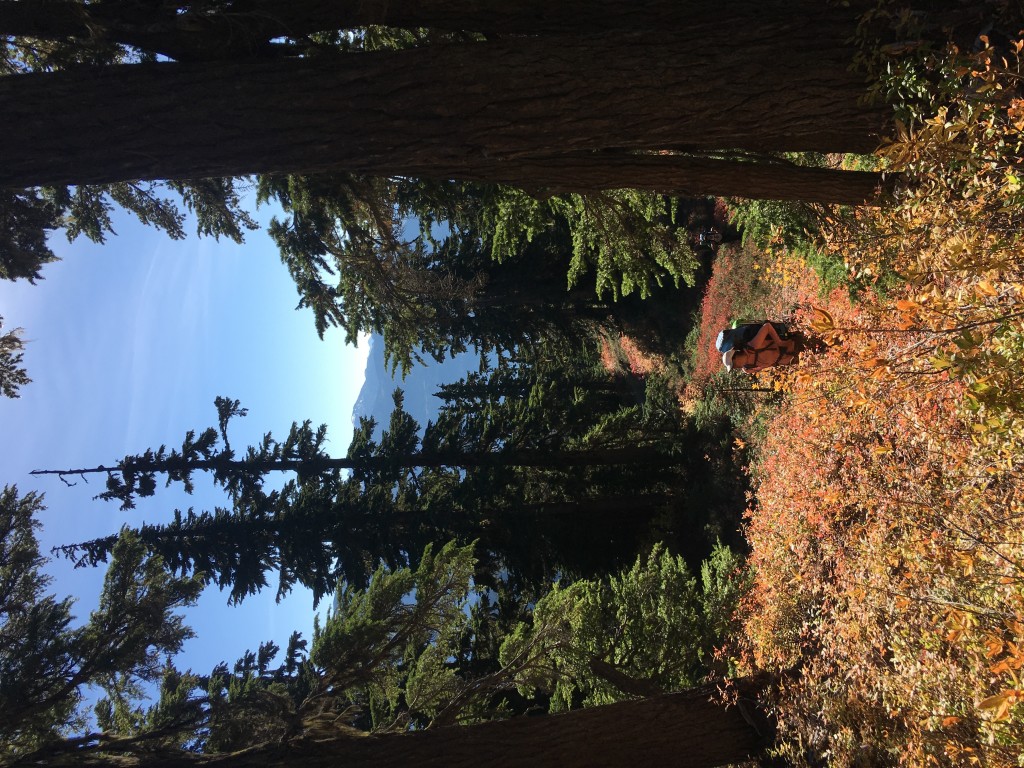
524	104
720	43
506	476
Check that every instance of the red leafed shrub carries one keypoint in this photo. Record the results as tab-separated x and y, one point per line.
641	363
735	291
721	214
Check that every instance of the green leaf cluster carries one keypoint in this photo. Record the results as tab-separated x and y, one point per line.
387	648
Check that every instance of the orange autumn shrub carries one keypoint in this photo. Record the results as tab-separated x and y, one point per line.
621	354
886	563
641	363
609	356
887	524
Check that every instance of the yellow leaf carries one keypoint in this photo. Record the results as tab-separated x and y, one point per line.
985	288
822	321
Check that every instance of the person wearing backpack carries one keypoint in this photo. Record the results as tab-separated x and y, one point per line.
759	348
741	333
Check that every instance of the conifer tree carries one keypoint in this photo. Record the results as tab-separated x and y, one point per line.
12	374
46	661
801	40
439	267
388	661
512	485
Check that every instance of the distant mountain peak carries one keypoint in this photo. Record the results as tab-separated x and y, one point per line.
419	386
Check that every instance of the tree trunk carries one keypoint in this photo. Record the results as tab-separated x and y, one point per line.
646	455
443	111
683	175
683	730
247	27
243	27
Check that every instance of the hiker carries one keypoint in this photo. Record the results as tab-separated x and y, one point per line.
756	348
711	237
741	333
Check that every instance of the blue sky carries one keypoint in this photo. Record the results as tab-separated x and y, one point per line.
128	343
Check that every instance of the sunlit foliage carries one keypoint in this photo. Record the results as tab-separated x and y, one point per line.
886	529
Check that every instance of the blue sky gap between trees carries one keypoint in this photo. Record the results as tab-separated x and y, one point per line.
127	344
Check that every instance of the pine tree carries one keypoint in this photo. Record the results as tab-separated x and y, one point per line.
12	374
510	485
46	661
388	662
439	267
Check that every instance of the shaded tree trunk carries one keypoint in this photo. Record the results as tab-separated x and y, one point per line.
685	176
446	111
683	730
247	27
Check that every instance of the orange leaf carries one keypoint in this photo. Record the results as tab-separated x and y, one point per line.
822	321
999	704
993	646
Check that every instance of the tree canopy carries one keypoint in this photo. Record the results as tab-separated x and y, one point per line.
46	661
12	374
521	474
414	651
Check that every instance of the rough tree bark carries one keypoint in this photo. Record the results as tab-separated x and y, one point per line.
443	111
683	175
183	30
683	730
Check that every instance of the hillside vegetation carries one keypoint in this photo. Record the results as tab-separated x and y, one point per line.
885	535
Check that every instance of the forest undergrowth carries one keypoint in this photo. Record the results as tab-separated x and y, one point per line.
885	526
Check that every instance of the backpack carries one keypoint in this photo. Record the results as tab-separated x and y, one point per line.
741	333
